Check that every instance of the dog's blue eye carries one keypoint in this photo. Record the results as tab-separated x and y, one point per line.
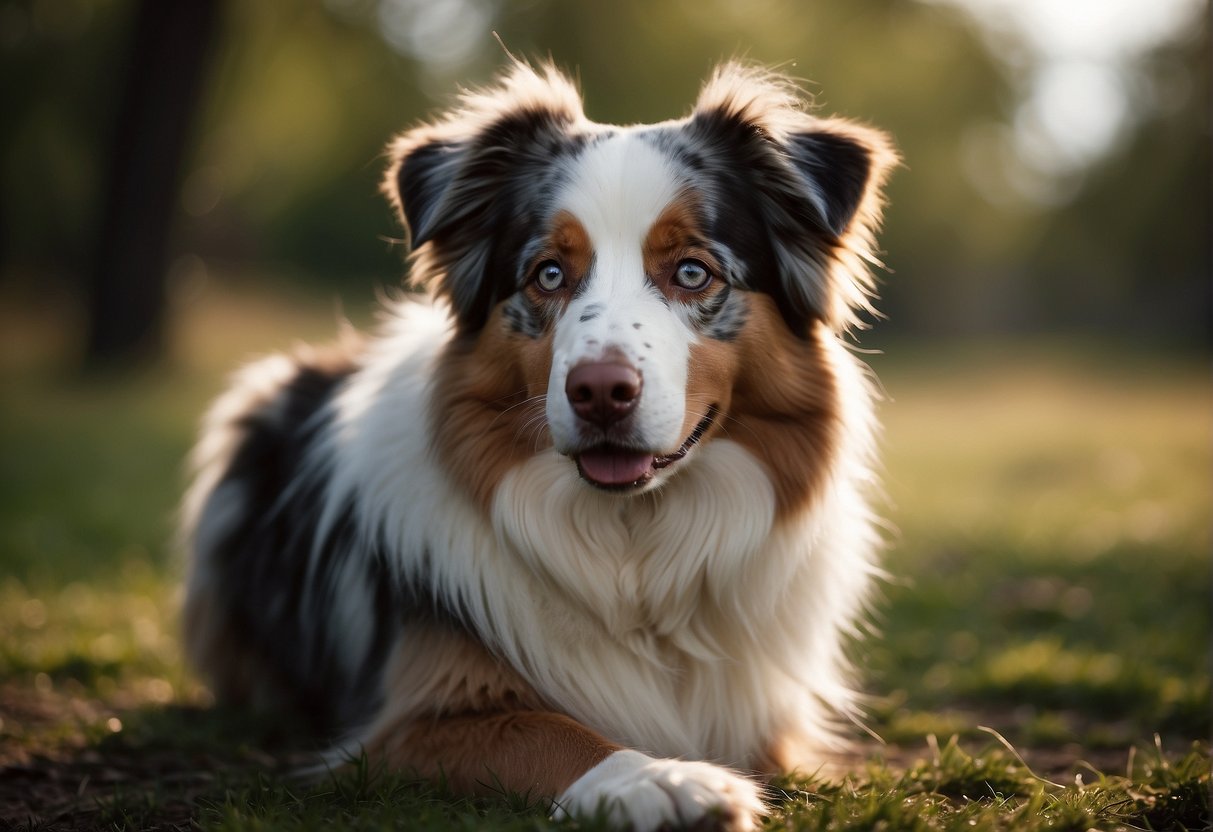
549	276
692	275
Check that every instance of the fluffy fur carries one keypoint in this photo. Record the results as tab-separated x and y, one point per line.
590	522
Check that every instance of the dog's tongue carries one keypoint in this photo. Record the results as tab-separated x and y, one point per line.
615	467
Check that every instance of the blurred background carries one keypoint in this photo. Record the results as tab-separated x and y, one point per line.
1057	153
184	184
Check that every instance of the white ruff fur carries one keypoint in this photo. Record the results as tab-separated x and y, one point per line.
680	622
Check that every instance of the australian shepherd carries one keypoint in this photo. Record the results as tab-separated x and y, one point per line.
590	521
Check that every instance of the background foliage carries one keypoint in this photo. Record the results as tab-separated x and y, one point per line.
1001	218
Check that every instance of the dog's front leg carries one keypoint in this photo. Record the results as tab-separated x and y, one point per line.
526	752
546	754
456	714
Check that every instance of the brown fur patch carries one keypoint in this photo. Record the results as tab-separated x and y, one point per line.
438	671
570	244
458	714
711	375
488	406
776	393
784	407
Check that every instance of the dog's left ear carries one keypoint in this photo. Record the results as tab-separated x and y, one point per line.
841	171
816	184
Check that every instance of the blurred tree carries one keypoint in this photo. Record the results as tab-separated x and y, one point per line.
1132	253
288	155
167	62
59	90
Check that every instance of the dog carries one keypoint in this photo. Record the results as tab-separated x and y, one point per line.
591	521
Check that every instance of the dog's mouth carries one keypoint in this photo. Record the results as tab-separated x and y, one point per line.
616	468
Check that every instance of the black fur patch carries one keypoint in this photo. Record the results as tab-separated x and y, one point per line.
723	315
280	576
839	168
730	156
523	317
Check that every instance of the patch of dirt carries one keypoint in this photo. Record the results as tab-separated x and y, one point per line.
86	791
66	762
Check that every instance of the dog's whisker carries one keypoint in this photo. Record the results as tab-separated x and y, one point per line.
532	427
524	403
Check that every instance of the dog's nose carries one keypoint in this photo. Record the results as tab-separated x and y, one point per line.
603	392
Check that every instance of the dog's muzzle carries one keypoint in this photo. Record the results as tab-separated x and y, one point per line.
603	394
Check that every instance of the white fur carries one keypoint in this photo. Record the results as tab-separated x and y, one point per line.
644	794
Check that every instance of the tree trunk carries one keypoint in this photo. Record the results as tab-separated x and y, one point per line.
159	98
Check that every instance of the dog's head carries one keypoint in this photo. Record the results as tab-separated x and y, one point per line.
625	294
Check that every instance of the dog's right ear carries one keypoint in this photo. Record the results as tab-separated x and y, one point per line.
463	185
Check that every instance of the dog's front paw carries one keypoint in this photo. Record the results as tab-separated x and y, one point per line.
646	793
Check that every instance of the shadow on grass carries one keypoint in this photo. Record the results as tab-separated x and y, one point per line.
186	767
143	768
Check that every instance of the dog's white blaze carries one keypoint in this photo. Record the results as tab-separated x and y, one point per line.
617	191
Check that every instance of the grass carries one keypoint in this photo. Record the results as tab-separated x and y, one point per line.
1050	581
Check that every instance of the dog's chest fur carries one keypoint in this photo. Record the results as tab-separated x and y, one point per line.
670	622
